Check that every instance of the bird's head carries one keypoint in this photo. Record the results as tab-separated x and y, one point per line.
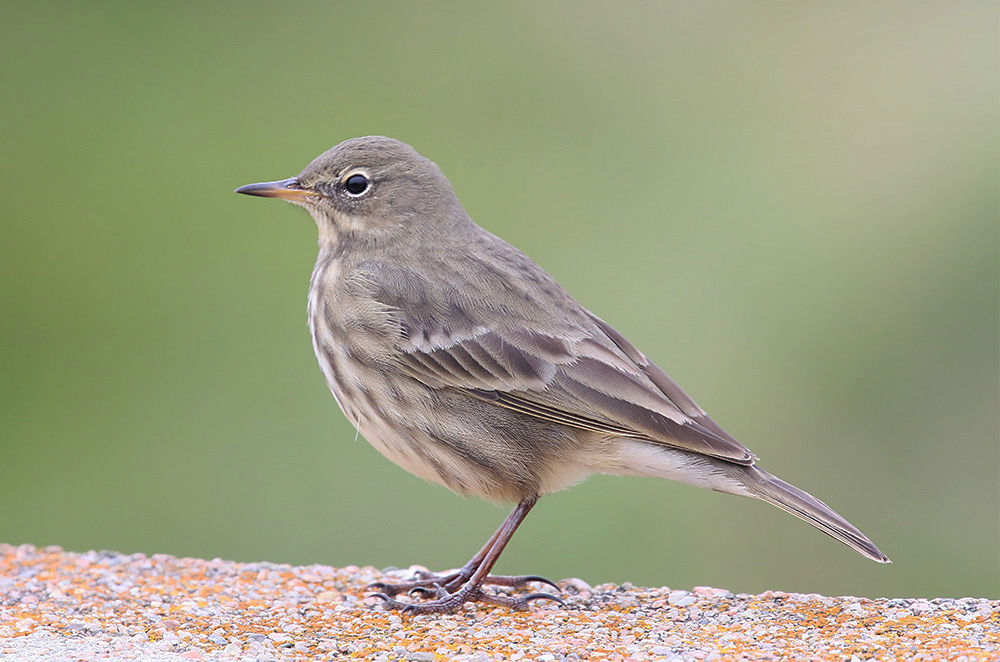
370	187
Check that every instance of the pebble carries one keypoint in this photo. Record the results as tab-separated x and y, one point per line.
681	598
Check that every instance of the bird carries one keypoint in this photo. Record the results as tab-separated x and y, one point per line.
462	361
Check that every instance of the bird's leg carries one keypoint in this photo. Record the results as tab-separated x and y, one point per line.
429	583
465	585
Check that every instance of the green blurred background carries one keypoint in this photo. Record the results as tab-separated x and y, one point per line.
791	207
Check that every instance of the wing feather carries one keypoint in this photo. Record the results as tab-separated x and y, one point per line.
571	368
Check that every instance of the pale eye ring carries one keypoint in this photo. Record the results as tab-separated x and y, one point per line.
356	184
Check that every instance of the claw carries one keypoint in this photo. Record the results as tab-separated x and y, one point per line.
384	588
539	579
425	591
543	596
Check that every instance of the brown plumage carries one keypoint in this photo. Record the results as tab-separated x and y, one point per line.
461	360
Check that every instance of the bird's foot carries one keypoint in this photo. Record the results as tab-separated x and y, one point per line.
448	602
428	584
449	591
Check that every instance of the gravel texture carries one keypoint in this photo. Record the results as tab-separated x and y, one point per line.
62	606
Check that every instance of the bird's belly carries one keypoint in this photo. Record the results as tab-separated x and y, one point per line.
388	423
422	459
397	436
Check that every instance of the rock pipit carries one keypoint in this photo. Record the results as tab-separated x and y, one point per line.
463	362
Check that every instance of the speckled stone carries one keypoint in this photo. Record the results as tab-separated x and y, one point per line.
57	605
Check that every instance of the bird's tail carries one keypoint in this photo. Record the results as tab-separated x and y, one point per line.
805	506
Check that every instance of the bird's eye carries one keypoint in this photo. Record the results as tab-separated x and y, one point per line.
356	184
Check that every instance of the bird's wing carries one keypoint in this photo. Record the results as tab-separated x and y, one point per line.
586	376
669	387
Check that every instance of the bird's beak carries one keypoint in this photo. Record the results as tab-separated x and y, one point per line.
286	189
